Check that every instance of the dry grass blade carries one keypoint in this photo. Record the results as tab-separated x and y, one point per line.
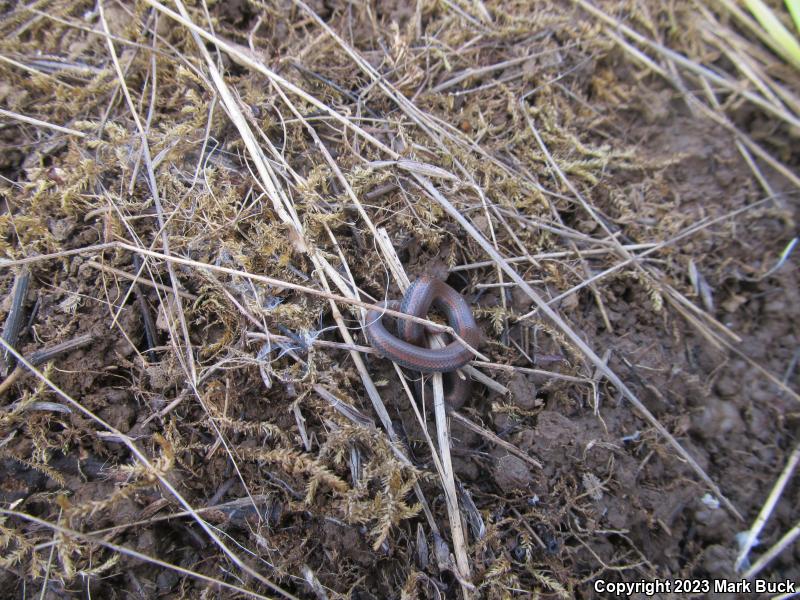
147	464
778	111
132	553
13	324
210	196
769	506
451	496
786	541
578	341
40	123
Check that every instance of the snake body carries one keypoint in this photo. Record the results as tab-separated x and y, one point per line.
407	349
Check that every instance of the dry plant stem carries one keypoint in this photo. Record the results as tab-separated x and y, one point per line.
345	409
530	371
50	561
151	177
392	260
39	357
281	284
437	463
129	552
492	437
472	372
115	529
39	123
550	255
35	72
451	496
4	262
715	116
11	379
42	356
769	506
575	339
615	25
274	337
16	314
146	463
137	279
785	542
473	72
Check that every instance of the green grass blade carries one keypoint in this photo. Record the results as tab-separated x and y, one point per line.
794	9
784	40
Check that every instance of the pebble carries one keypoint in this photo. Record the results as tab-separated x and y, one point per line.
511	473
523	391
719	417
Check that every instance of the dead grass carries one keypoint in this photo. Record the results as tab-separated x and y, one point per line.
279	167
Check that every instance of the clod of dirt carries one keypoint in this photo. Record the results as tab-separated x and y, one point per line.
511	473
523	391
718	561
119	412
166	581
713	525
465	469
727	386
553	430
520	301
719	417
345	541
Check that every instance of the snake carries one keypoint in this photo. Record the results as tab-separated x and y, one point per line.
407	349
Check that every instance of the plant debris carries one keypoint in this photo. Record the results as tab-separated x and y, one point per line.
200	201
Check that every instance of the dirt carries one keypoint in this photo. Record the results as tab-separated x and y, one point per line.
313	494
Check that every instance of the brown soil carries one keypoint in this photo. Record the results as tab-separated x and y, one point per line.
328	509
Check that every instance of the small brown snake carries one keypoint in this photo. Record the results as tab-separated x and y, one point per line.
406	347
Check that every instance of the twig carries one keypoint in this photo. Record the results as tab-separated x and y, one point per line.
494	438
132	553
768	507
550	255
137	453
785	542
40	123
44	355
16	314
138	279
